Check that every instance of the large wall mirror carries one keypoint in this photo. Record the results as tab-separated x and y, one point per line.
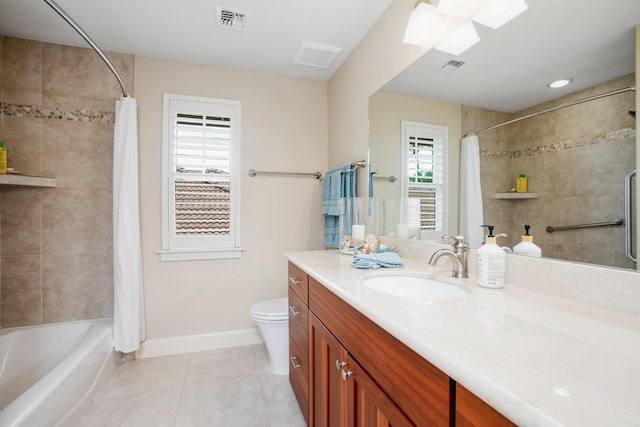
576	159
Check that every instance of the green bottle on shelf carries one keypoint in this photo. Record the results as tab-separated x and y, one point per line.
3	158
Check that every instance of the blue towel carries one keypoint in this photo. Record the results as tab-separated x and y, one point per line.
336	185
373	261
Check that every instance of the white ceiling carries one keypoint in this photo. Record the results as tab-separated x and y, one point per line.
591	41
186	30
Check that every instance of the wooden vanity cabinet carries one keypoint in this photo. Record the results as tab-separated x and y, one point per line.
385	383
343	393
393	379
473	412
299	337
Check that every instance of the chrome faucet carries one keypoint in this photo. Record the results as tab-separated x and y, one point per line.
458	255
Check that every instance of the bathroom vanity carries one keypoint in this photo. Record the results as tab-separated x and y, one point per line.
504	357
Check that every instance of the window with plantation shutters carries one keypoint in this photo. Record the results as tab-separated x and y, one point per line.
200	183
423	181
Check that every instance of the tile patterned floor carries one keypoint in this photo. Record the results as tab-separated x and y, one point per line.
225	388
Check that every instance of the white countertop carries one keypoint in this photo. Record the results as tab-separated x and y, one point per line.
538	359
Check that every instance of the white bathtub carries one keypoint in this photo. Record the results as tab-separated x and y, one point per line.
48	373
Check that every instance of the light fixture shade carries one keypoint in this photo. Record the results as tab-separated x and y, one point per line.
462	8
460	40
499	12
425	25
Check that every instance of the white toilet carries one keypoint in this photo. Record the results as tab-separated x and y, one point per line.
272	319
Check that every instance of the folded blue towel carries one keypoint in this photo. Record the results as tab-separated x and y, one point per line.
373	261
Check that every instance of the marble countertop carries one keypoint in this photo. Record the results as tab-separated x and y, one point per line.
539	359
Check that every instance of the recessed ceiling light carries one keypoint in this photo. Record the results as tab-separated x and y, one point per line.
560	83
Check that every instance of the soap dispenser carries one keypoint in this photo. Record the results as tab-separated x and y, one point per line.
491	261
526	246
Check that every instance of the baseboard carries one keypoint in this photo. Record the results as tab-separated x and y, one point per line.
193	343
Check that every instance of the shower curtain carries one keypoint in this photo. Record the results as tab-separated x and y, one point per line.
128	316
471	215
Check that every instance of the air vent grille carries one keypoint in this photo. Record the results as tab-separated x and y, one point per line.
231	19
451	65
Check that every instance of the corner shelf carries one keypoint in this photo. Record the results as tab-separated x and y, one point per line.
514	196
26	180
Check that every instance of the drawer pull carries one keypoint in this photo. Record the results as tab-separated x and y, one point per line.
294	281
293	362
340	364
293	310
346	374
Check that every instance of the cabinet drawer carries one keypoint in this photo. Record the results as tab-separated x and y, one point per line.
298	318
299	282
299	374
415	385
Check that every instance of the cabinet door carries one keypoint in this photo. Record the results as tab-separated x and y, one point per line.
367	404
328	389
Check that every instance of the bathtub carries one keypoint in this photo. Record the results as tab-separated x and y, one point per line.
49	373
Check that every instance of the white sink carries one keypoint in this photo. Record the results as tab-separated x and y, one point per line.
414	286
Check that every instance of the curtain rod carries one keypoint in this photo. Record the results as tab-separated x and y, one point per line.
548	110
85	36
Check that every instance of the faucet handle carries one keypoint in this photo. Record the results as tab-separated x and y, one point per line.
456	241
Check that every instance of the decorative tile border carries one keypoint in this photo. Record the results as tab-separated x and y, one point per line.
39	112
617	135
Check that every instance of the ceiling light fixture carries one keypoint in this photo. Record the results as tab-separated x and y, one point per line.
499	12
560	83
460	40
425	25
461	8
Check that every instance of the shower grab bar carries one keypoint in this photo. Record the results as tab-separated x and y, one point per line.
616	222
628	214
85	36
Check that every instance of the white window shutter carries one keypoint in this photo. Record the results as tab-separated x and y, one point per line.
424	177
201	173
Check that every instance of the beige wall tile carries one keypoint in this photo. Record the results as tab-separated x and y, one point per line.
23	141
22	71
21	216
75	78
65	88
21	293
78	154
76	287
77	221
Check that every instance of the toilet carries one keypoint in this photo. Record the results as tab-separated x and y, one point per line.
272	319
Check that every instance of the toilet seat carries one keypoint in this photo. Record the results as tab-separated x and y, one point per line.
272	310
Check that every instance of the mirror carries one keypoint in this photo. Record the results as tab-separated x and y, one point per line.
575	158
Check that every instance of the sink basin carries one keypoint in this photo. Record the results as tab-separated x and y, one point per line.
414	286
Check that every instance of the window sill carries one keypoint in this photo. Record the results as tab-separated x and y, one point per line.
199	254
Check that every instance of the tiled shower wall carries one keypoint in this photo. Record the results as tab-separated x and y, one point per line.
575	159
57	120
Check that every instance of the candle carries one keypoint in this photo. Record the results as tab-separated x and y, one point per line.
357	231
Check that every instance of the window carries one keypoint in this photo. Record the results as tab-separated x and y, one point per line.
423	177
201	151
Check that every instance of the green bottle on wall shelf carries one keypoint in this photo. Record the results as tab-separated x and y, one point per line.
3	158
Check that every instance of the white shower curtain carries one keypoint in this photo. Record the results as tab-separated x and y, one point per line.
128	316
471	215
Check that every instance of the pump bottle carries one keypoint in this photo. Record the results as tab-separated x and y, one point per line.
491	261
526	246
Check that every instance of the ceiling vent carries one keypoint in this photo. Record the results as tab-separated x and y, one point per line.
316	55
451	65
231	19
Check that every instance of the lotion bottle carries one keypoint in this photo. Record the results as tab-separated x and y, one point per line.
526	246
491	262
